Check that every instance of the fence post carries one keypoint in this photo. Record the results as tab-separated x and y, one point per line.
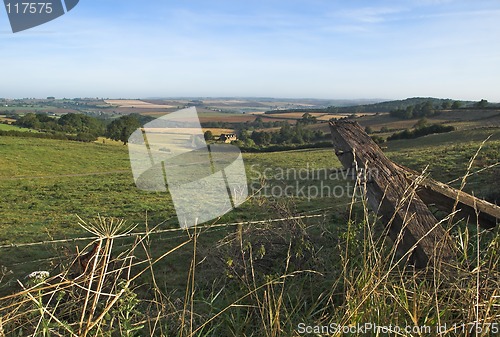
411	224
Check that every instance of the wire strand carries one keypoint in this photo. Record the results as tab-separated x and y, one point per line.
170	230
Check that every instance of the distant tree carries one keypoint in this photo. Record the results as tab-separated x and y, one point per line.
244	135
249	142
408	113
261	137
73	123
446	104
285	135
208	135
44	118
332	109
298	139
456	105
360	108
266	138
368	129
481	104
307	118
422	122
258	122
29	120
121	128
384	129
427	109
319	135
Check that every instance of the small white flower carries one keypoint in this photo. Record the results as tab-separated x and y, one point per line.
39	275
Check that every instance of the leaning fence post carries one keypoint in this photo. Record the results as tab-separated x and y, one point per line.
411	223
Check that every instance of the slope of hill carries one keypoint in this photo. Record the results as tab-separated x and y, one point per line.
399	104
374	107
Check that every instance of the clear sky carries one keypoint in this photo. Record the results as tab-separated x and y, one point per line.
294	48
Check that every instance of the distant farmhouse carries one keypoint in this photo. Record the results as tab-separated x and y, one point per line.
228	137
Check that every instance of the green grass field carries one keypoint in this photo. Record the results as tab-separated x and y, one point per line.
7	127
24	109
45	183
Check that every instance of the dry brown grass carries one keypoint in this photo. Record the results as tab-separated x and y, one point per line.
91	298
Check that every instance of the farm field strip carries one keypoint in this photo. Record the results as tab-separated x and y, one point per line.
137	104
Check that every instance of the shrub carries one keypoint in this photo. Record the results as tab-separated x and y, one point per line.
421	131
378	139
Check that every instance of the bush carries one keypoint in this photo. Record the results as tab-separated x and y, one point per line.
378	139
422	131
208	135
70	123
287	147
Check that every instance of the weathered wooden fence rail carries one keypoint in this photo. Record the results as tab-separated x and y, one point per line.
400	197
446	198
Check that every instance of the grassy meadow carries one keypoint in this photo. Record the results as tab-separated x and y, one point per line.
245	280
7	127
46	182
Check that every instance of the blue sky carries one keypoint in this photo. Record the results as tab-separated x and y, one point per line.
296	49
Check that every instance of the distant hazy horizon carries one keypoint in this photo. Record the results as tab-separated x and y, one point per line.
340	101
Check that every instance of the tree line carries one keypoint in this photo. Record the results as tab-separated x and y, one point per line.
399	107
425	109
81	127
428	108
287	135
257	123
